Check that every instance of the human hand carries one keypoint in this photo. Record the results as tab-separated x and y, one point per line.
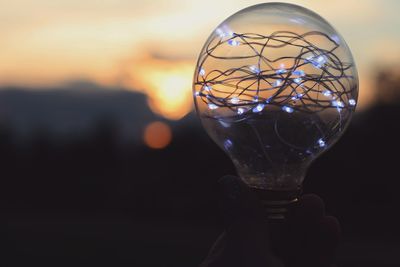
307	238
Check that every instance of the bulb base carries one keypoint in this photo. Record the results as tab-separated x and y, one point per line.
278	202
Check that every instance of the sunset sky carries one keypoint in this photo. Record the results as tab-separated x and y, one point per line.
152	46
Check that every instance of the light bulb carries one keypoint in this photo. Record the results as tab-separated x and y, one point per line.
275	86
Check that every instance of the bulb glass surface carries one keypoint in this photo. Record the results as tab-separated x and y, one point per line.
275	86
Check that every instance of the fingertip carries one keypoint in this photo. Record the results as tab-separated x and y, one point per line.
314	202
310	208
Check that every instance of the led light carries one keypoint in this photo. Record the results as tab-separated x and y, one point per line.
287	109
207	88
317	62
277	83
202	72
298	96
233	42
352	102
321	60
321	142
224	32
258	108
228	144
338	104
281	69
297	80
327	93
298	72
240	111
220	32
255	69
212	106
234	100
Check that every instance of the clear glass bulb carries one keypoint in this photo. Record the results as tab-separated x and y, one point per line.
275	86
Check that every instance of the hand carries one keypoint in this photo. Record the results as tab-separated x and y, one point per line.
308	238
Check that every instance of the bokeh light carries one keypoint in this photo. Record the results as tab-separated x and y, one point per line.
157	135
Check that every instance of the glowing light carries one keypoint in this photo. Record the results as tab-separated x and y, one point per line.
220	32
258	108
298	72
321	60
352	102
234	100
233	42
296	97
202	72
255	69
297	80
207	88
228	144
224	32
280	71
338	104
240	111
321	142
212	106
287	109
157	135
327	93
277	83
317	62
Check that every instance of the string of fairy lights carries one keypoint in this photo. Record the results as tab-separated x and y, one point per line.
308	79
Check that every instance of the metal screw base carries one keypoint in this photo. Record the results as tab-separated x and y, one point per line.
277	203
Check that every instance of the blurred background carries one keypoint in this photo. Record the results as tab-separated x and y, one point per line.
104	163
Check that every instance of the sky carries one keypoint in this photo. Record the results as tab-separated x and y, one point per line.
152	46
